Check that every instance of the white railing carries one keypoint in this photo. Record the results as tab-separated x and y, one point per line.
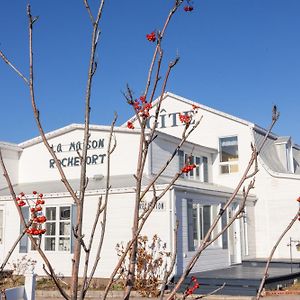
26	292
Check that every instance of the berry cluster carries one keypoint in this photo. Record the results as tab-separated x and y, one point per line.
151	37
187	168
37	218
20	200
130	125
195	285
141	107
188	8
185	119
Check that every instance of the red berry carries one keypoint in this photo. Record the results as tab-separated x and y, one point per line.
151	37
38	208
130	125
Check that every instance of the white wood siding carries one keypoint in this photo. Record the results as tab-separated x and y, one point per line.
119	223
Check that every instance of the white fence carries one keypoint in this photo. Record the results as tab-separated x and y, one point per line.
26	292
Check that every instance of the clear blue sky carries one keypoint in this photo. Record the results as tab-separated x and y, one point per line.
237	56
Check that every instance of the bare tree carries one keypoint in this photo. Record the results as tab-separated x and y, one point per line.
145	141
155	80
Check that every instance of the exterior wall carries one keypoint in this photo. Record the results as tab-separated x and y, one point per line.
162	149
160	153
11	159
118	230
211	127
275	207
276	195
36	164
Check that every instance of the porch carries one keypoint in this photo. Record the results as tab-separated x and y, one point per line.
244	279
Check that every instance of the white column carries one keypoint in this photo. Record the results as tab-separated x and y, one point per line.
30	280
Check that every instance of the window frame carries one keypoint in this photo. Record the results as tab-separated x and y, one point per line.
201	172
57	236
230	164
198	230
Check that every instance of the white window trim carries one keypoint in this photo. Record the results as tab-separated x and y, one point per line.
199	166
228	163
57	235
200	227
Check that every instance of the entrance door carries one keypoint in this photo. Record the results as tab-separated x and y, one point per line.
234	237
1	233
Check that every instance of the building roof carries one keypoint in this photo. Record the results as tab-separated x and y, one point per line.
10	146
269	153
121	182
73	127
201	106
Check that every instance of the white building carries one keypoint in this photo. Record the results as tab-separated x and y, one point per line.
220	147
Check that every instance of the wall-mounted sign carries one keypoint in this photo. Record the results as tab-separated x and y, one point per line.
159	206
74	160
168	119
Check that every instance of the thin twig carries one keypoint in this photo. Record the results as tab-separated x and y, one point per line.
6	60
110	148
89	11
173	261
211	293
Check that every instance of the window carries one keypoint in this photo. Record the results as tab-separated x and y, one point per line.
229	155
200	218
58	226
200	172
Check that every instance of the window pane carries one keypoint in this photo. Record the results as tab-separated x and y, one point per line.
228	149
64	228
206	219
64	244
181	159
197	170
234	168
205	169
190	224
65	213
191	161
50	228
50	244
195	226
51	213
225	169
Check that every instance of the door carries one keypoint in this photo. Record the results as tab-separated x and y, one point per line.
234	237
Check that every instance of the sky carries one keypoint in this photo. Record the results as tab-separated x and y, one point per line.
237	56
